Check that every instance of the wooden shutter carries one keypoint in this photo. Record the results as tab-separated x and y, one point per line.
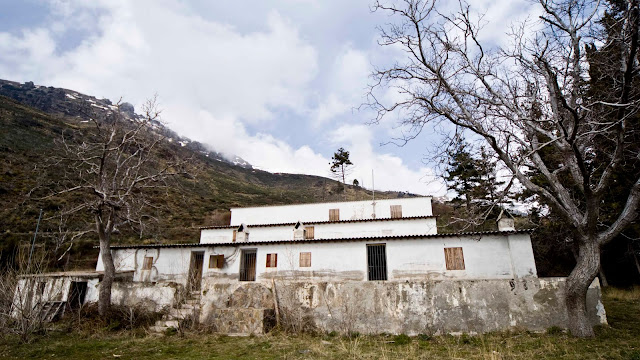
396	211
334	214
216	261
235	235
148	263
272	260
454	258
305	259
309	232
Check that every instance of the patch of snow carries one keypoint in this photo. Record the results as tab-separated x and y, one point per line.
71	96
183	143
99	106
84	121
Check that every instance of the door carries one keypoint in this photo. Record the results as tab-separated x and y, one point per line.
248	265
77	293
195	270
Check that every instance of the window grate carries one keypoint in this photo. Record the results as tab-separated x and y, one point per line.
377	261
248	265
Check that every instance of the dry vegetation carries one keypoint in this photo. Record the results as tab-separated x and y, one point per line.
100	339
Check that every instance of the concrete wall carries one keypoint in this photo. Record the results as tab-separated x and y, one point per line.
499	256
409	307
349	210
327	231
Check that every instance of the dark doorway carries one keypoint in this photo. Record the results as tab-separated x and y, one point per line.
195	270
77	292
248	265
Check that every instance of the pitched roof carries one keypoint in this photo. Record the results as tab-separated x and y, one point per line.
346	239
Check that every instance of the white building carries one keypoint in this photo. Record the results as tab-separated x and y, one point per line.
360	240
347	266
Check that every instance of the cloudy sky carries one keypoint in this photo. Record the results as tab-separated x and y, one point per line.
276	82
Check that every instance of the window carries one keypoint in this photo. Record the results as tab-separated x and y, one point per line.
248	265
216	261
377	261
148	263
309	232
305	259
235	235
396	211
272	260
334	214
454	258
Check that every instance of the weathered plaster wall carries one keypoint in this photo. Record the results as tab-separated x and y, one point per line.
349	210
156	297
409	307
328	231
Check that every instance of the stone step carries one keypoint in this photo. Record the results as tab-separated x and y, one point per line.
167	323
181	313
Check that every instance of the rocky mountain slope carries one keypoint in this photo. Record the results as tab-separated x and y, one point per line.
32	120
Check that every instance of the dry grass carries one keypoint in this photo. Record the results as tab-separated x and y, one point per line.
630	294
620	340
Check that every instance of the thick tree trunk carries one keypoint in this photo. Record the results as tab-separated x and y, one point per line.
586	269
104	294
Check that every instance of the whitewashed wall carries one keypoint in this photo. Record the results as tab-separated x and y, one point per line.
488	257
328	231
349	210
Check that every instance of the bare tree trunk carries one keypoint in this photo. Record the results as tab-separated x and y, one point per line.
602	276
104	295
586	269
635	256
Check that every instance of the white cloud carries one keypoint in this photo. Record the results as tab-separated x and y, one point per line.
238	89
347	84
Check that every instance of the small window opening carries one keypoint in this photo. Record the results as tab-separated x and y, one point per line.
454	258
305	259
377	261
148	263
272	260
396	211
309	232
216	261
334	214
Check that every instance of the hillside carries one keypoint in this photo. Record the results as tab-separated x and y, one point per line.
32	121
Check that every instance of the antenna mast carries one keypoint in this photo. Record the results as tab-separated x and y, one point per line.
373	189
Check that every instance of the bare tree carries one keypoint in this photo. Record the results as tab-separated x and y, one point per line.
531	104
110	171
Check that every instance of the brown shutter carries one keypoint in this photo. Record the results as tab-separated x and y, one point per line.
148	263
334	214
309	232
396	211
235	235
216	261
454	258
272	260
305	259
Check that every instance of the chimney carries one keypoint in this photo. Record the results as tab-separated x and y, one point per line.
505	222
298	231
